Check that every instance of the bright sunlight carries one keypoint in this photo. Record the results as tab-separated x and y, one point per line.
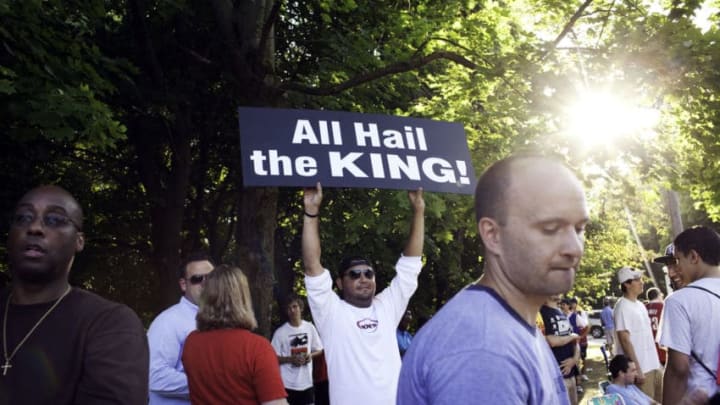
601	118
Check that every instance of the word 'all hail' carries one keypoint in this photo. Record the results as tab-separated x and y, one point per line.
329	133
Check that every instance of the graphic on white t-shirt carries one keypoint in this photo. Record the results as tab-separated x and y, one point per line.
298	344
367	325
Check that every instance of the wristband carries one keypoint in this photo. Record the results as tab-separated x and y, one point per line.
312	216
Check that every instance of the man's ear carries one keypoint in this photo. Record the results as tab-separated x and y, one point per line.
80	242
694	256
183	284
489	232
338	283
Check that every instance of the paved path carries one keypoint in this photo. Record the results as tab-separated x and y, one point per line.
599	371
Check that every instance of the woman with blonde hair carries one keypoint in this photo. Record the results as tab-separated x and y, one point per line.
224	361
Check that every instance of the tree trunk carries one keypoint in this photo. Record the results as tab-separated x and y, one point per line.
255	255
672	204
167	188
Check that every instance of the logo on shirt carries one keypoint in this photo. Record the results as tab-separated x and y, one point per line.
300	339
298	344
367	325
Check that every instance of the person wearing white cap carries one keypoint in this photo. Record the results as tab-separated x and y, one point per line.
634	333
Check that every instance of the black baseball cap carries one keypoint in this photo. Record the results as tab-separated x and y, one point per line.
669	256
353	261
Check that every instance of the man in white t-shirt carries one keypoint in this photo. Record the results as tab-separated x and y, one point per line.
358	331
634	333
296	342
690	325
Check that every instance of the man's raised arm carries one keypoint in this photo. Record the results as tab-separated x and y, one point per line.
414	246
312	197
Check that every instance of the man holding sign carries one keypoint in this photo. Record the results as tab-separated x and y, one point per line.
358	331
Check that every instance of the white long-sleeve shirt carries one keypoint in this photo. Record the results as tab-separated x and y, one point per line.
166	338
361	349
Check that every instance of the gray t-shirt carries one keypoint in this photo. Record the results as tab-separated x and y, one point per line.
477	349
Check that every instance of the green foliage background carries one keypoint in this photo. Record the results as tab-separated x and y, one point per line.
130	104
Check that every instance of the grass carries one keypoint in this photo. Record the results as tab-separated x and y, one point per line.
598	373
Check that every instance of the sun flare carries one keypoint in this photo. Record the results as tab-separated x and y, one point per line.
598	118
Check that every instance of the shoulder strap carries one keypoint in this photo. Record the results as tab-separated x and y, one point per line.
695	356
704	289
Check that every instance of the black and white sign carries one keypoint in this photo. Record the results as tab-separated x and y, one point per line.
283	147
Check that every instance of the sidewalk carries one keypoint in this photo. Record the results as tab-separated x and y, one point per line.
595	362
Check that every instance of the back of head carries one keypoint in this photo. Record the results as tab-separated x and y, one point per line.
225	301
652	293
491	192
701	239
617	364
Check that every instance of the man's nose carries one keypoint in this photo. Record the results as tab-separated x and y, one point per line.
36	225
573	244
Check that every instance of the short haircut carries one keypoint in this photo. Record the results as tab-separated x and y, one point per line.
352	261
701	239
494	183
78	216
225	301
652	293
617	364
197	256
292	298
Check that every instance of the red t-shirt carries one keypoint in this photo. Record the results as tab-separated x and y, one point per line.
655	311
231	366
319	368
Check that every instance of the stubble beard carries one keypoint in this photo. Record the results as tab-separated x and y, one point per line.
34	276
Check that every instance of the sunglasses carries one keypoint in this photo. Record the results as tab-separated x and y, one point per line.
197	278
53	220
355	274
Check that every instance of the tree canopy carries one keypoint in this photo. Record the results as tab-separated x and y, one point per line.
130	105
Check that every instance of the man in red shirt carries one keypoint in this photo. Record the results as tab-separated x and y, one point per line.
655	308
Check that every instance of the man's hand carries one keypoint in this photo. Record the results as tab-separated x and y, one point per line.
311	251
567	365
639	378
312	197
414	245
416	200
300	359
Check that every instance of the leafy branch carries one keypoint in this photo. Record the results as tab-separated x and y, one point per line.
394	68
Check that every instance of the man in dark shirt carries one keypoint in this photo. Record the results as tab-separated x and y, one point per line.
564	343
63	345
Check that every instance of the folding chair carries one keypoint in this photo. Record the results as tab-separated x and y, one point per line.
607	362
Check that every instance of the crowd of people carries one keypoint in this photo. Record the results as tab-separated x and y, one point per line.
64	345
